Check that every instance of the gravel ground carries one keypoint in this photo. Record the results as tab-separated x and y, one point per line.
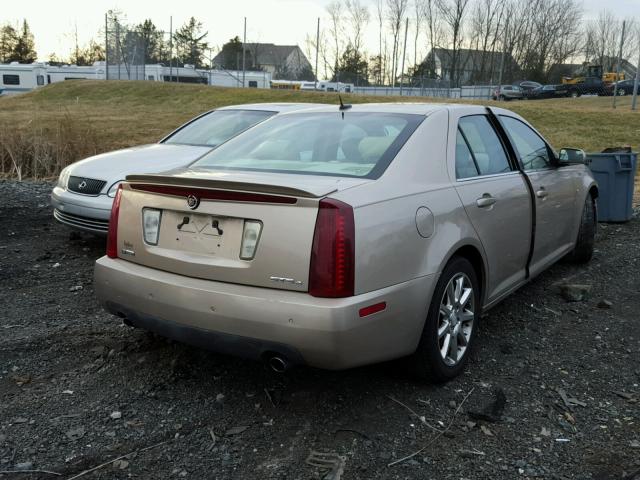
552	390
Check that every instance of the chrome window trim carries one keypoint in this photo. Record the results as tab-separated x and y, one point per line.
492	175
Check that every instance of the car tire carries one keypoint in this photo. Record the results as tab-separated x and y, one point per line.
622	92
574	94
502	98
433	360
583	250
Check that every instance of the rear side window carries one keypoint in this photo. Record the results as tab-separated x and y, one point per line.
355	144
532	150
484	144
465	165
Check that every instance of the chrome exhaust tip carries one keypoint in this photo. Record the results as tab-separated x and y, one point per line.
277	364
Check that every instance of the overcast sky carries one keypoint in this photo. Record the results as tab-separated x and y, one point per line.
273	21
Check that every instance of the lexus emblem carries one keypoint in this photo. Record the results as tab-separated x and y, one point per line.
193	202
82	185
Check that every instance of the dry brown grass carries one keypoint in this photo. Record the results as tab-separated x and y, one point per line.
43	131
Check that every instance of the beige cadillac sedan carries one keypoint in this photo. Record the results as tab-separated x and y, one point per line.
342	236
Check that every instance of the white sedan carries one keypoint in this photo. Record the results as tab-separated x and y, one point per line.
83	196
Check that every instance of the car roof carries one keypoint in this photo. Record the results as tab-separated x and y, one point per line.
407	108
273	107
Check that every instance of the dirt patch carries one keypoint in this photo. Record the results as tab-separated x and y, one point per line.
554	384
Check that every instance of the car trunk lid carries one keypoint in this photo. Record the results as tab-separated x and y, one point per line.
203	218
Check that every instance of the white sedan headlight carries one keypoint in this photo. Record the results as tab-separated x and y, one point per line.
114	188
63	179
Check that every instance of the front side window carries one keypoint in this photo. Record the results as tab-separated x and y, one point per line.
531	149
11	79
484	144
217	127
354	144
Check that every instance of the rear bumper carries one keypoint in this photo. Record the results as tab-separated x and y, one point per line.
82	212
253	322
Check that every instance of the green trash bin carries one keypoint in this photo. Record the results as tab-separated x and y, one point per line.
615	173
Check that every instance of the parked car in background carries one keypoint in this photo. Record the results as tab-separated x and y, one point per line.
527	86
546	91
508	92
83	196
590	86
625	87
338	237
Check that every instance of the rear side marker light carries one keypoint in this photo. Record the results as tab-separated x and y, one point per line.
371	309
112	235
250	238
151	225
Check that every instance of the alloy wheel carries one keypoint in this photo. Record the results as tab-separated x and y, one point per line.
455	319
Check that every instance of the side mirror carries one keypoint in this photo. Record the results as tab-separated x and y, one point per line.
571	156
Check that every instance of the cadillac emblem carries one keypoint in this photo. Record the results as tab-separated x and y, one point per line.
193	202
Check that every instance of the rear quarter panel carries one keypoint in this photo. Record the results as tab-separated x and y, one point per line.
389	248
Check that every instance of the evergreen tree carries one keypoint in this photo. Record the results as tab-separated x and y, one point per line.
352	68
190	43
157	51
8	41
24	50
232	56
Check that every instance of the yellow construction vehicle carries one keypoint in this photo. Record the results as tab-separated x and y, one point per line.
594	71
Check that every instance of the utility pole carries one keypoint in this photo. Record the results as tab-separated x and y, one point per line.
106	46
118	53
171	49
244	43
404	53
76	38
315	87
634	100
504	48
615	85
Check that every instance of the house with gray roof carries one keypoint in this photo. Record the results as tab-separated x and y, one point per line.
471	67
286	62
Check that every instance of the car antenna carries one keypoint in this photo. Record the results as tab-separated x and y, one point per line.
344	106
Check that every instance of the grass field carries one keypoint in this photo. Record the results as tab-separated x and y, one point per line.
44	130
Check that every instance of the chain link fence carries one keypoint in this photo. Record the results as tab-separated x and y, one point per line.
125	53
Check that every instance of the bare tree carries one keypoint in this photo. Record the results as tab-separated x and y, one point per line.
358	16
336	30
453	15
434	32
380	14
396	13
485	26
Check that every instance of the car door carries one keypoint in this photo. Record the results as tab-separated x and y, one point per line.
554	191
497	202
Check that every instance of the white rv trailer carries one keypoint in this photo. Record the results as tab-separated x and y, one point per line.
163	73
326	86
20	77
23	77
233	78
55	74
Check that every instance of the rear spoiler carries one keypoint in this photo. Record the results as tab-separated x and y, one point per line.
217	184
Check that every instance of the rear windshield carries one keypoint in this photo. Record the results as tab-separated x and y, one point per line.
334	144
217	127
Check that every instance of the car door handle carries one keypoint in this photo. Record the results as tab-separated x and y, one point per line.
542	193
486	201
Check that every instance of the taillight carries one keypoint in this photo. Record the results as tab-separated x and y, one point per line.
333	252
112	238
